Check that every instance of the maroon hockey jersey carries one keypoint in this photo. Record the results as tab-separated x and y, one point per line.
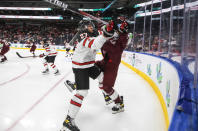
112	52
5	48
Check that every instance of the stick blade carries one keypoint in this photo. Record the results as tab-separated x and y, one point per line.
19	55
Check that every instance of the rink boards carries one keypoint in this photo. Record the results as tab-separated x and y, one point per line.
160	74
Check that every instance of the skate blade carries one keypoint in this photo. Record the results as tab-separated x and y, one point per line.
64	129
4	62
57	74
45	73
115	112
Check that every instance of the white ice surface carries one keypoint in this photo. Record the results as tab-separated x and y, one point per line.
30	101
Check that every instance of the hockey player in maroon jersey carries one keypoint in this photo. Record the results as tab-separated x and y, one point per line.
30	44
49	57
4	48
33	47
83	67
112	51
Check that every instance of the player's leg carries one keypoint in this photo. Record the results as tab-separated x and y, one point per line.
45	64
101	65
3	58
96	73
67	52
53	66
82	82
108	84
32	49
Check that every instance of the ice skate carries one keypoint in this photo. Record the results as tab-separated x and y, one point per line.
108	100
71	86
119	107
64	129
34	56
3	60
69	125
45	72
57	72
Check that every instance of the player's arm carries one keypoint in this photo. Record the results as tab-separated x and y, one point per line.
94	43
98	42
125	36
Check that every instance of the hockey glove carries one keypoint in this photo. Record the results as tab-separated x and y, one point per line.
41	55
108	30
124	27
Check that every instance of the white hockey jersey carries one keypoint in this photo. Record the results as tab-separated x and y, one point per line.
85	53
50	51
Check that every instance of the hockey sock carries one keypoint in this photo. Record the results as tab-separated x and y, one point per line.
45	66
76	102
100	78
102	89
53	67
115	96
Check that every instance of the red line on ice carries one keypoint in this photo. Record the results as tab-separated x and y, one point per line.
37	102
15	78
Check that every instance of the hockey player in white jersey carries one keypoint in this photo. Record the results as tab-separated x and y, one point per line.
67	49
83	67
49	57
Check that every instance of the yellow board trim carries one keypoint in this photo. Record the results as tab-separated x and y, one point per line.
155	88
42	49
25	48
36	49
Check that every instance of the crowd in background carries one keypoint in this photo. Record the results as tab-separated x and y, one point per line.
59	35
36	33
144	42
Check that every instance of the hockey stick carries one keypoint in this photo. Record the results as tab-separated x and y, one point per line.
109	6
67	7
74	38
24	56
76	35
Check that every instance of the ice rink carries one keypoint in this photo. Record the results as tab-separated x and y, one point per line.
30	101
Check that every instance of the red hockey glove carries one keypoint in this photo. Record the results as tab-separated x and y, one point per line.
108	29
124	27
110	26
41	55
